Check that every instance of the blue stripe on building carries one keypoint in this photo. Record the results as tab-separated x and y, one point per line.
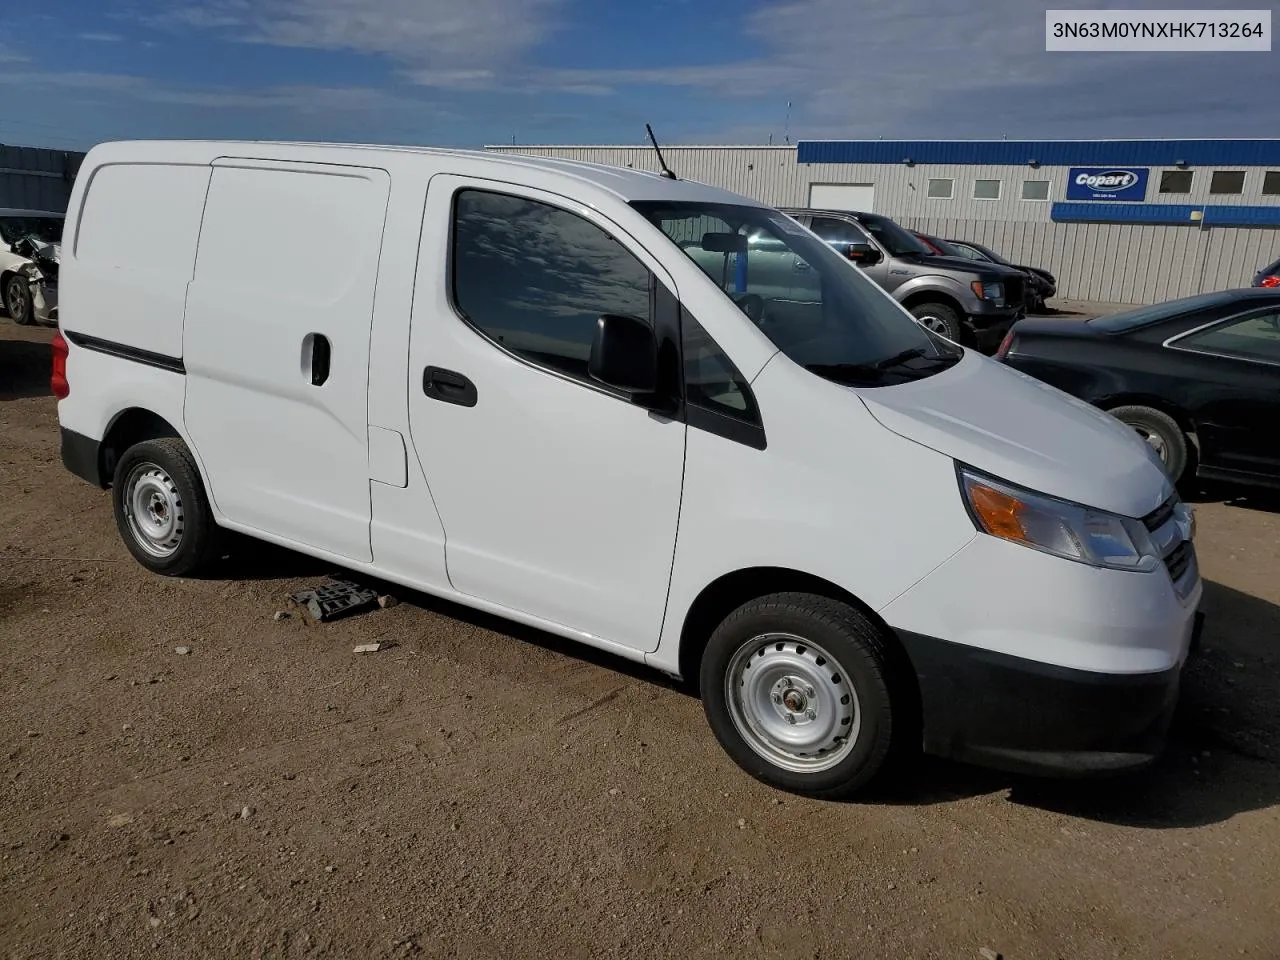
1065	153
1215	215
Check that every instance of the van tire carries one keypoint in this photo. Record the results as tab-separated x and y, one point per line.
1161	432
941	319
161	509
808	652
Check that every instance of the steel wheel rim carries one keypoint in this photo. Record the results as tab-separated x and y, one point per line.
776	676
16	301
1154	440
153	509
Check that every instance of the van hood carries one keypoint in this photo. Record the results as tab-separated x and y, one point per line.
1007	424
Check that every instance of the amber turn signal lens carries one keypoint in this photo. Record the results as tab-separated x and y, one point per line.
998	512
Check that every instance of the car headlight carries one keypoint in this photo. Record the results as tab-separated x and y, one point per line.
988	291
1057	527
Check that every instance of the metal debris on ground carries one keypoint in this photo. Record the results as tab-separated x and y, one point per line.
340	598
368	648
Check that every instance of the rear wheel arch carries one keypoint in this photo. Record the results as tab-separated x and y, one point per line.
127	428
1179	415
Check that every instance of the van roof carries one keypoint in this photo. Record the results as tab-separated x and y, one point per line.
625	183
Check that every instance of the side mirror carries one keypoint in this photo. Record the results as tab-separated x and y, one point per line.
624	354
863	254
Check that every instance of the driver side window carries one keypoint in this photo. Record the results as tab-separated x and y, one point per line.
838	233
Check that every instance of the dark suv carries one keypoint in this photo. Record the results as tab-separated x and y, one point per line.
965	301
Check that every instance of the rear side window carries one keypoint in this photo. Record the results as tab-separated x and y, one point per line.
535	278
1250	338
143	217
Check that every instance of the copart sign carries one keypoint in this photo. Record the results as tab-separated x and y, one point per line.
1107	183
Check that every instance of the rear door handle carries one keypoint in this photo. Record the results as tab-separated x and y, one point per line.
448	387
316	357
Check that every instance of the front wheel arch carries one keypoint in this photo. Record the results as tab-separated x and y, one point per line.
730	591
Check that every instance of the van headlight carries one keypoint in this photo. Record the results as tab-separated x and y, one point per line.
1058	527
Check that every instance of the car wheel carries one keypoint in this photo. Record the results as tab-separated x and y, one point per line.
17	299
1161	432
798	690
161	509
940	319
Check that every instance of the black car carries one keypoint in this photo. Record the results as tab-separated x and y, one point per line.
1198	378
1041	283
1268	276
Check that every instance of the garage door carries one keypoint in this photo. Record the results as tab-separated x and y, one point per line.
843	196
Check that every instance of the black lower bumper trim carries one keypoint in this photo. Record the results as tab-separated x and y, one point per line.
80	455
1029	717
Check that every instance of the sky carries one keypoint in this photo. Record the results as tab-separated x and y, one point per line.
475	72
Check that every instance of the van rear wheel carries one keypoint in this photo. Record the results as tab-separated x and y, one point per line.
798	690
161	509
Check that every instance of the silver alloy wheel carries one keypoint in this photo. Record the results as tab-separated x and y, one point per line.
153	509
15	299
1154	440
792	702
935	324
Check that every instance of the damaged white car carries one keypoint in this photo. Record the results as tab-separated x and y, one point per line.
30	250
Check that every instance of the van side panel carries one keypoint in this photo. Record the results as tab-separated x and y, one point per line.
133	254
287	264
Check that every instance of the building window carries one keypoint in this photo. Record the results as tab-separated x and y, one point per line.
1035	189
1271	183
1227	181
941	189
1175	181
986	189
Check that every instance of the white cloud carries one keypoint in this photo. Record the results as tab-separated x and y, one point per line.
449	39
304	99
100	37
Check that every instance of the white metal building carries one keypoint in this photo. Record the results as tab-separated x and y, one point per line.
1127	221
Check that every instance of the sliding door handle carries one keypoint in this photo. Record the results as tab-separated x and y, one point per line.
316	357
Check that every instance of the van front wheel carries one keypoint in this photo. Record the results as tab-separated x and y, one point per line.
797	689
161	509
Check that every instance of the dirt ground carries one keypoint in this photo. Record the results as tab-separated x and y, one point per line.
481	791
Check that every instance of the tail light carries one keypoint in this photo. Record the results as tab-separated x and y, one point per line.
1271	281
1002	351
58	379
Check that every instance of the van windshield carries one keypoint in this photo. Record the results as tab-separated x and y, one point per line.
814	305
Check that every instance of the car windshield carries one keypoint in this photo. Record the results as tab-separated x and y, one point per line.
992	255
897	240
814	305
48	229
948	249
1142	316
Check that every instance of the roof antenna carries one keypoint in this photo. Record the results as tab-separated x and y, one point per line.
666	171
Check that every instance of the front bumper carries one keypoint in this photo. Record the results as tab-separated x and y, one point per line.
1024	716
1029	662
989	328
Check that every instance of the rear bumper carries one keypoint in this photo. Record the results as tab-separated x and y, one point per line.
1028	717
81	455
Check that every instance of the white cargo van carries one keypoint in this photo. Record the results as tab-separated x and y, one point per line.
569	395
